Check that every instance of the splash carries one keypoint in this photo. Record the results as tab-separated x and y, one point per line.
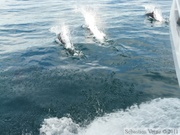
157	14
63	33
90	20
63	37
158	113
55	29
149	8
55	126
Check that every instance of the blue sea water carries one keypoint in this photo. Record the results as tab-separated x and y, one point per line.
129	81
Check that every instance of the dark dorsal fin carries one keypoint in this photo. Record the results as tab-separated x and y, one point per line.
150	14
178	21
60	38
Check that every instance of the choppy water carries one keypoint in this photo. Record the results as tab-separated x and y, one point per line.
46	90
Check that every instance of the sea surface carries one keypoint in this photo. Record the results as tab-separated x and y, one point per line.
127	80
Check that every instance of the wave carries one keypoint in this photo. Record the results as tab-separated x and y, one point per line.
158	113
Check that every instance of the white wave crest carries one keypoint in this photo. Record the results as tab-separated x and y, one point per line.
90	20
158	113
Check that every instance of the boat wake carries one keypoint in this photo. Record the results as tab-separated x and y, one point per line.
158	113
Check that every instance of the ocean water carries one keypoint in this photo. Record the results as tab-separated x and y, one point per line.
122	77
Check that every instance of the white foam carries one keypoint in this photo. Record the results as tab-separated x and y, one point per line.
158	113
55	126
91	23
